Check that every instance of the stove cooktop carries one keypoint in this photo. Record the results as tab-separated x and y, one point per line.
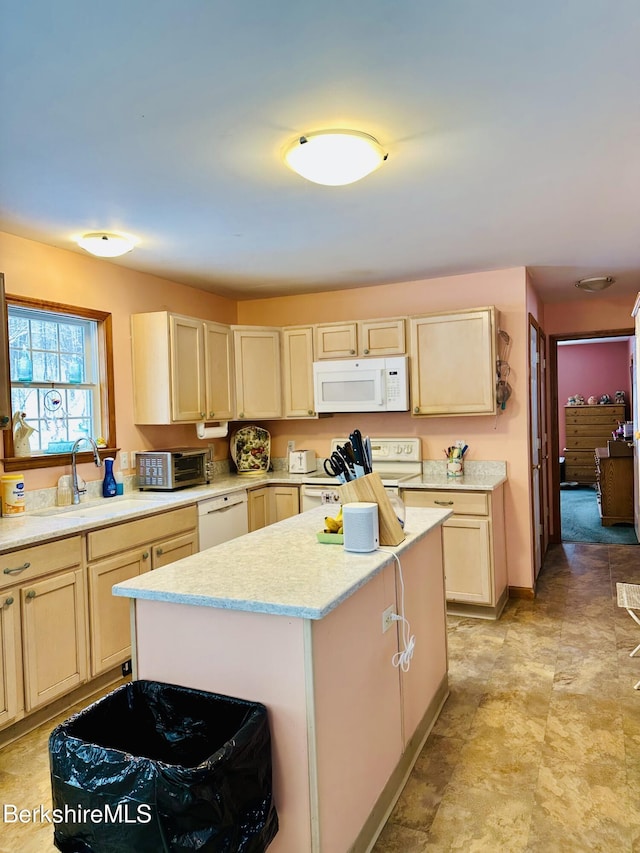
389	478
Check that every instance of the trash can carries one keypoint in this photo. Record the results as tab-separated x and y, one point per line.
156	767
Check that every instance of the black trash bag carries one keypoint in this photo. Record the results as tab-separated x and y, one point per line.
155	767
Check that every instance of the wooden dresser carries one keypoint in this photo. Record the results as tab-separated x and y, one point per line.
615	484
588	427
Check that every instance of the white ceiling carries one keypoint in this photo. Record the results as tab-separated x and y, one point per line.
513	132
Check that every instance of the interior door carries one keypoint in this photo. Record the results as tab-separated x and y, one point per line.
538	452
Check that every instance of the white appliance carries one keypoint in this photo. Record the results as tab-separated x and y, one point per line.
222	518
397	460
360	522
362	385
302	461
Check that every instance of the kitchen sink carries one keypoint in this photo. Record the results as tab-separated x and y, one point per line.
104	509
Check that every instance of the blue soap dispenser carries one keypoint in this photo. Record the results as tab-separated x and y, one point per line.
109	485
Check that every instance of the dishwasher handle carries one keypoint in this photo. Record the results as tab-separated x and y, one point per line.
221	503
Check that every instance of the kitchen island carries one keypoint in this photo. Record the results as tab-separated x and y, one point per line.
278	618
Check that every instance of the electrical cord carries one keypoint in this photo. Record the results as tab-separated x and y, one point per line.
402	659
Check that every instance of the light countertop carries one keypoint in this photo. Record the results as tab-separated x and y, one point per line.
281	569
36	527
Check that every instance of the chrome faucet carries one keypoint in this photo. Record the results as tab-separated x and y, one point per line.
74	471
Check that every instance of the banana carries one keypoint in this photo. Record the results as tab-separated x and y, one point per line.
331	524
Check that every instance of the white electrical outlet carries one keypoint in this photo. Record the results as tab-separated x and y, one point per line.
124	460
291	446
387	618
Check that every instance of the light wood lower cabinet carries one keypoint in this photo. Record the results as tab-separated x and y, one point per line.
43	626
54	637
150	543
474	548
269	504
10	657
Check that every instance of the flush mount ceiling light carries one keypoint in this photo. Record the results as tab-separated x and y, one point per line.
593	285
105	245
334	157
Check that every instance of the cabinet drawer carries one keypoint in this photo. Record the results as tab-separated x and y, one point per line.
132	534
29	563
587	442
462	503
598	431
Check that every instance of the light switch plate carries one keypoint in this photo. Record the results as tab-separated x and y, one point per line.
124	460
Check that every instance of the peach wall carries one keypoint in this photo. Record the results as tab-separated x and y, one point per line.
57	275
588	315
505	437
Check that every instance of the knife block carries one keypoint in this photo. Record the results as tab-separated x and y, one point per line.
370	488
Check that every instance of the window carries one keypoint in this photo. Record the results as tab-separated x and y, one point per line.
60	362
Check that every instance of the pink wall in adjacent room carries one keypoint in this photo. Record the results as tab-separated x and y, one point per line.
56	275
589	315
591	369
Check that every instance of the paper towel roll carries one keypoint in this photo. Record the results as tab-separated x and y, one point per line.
212	432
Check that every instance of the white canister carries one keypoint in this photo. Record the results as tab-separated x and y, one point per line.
12	494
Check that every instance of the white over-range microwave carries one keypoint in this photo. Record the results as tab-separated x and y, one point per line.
362	385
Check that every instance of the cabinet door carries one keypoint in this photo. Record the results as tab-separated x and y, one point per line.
284	501
109	621
336	340
170	550
382	337
467	560
187	369
257	363
54	637
297	373
453	363
258	508
9	625
219	379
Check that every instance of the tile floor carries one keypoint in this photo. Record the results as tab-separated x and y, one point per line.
537	748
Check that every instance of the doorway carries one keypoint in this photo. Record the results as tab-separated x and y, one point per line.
573	491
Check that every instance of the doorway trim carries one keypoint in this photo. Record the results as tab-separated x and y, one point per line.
555	534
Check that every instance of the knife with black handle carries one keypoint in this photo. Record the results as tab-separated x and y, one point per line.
358	451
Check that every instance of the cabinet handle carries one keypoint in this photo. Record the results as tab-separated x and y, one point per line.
309	411
241	415
444	503
366	352
145	555
352	351
159	551
31	593
416	410
211	414
18	569
9	601
203	415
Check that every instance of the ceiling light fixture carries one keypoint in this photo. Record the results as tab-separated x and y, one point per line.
335	157
595	284
105	245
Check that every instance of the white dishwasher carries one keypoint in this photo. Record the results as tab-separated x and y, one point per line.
222	518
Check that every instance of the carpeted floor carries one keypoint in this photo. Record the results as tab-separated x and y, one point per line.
581	520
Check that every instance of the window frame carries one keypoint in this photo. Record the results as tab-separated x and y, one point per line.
105	383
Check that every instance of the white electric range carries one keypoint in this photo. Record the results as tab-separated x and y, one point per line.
396	460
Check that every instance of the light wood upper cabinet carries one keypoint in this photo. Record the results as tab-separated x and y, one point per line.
453	363
219	375
357	338
382	337
257	372
186	347
336	340
297	372
182	369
